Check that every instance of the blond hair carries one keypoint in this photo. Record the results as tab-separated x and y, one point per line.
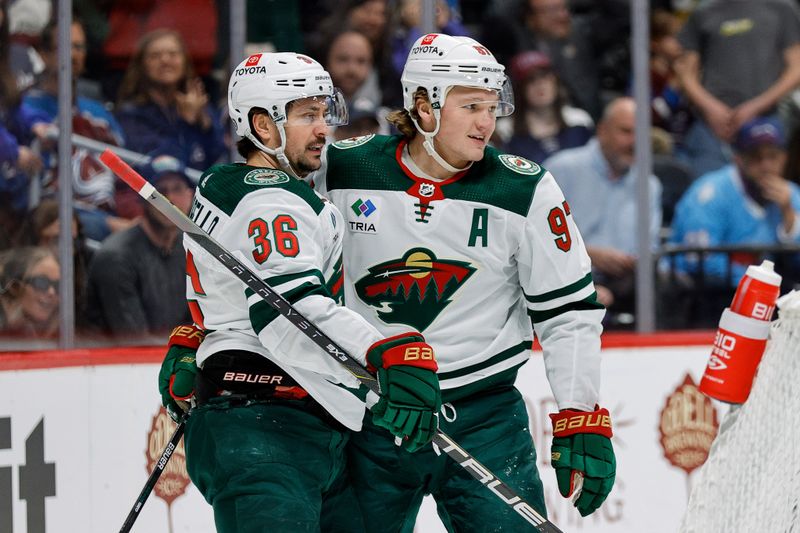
402	119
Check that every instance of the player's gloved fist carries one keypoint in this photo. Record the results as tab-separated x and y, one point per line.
582	447
176	377
410	396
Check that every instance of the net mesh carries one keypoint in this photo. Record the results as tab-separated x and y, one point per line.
751	480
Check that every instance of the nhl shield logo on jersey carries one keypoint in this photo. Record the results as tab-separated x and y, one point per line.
266	176
520	164
412	290
352	142
426	190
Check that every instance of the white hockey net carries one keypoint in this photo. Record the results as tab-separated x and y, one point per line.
751	480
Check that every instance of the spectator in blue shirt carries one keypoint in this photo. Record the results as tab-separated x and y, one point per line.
93	184
746	202
19	127
601	191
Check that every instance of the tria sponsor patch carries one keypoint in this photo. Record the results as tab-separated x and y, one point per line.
363	215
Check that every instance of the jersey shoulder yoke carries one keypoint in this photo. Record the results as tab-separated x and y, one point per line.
503	180
368	162
226	185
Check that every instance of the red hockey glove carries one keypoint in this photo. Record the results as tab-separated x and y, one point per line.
176	377
410	397
582	447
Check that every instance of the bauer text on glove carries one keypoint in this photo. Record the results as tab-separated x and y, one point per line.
410	397
582	447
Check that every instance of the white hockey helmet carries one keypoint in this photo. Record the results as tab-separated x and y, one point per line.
438	62
271	81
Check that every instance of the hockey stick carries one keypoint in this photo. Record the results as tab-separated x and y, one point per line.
280	304
172	445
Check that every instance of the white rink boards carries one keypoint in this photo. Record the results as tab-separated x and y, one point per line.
93	420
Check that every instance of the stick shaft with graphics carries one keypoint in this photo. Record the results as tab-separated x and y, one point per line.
280	304
172	445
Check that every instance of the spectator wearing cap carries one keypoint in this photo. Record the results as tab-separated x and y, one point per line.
601	190
746	202
543	122
137	279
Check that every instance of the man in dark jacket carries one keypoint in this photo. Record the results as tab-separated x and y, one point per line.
137	279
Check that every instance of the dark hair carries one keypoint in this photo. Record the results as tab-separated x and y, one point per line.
135	85
401	118
49	36
9	94
663	23
245	146
521	104
333	38
42	216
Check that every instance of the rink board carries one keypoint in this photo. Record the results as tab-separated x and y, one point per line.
95	410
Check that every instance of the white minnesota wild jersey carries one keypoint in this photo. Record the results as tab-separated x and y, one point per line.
292	238
469	262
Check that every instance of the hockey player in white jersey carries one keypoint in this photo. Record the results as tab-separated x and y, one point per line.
471	247
265	445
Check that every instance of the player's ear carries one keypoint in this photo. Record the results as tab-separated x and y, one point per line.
425	113
263	127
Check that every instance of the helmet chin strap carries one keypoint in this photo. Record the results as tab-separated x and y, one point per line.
428	144
277	153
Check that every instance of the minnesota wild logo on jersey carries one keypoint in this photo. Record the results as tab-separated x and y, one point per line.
412	290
